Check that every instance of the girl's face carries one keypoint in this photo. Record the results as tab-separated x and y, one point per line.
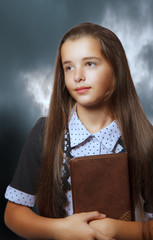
88	75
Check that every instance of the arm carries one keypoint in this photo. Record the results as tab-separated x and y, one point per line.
24	222
120	229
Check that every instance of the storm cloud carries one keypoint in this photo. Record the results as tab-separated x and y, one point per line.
31	31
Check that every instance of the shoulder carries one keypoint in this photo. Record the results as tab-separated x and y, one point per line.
27	172
38	129
34	141
41	121
40	124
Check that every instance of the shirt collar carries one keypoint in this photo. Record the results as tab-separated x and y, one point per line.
108	136
78	132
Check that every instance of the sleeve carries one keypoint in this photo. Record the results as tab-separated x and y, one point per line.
148	202
148	198
24	183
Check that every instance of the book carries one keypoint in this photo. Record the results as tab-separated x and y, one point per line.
101	183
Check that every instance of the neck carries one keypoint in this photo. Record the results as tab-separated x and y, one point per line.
94	119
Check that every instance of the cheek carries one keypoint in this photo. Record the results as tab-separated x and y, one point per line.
69	85
105	84
108	80
110	89
68	79
102	80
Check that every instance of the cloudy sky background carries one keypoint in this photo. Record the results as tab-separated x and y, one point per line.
30	31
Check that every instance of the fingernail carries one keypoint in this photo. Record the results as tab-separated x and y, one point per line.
103	215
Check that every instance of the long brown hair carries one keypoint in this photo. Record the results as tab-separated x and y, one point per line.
137	132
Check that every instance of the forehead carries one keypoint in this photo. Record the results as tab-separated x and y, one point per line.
81	48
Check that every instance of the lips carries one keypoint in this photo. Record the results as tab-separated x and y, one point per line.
82	89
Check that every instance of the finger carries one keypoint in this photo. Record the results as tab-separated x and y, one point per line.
88	216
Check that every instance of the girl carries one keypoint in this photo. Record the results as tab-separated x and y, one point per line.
94	109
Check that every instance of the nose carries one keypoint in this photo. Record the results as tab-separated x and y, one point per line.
79	75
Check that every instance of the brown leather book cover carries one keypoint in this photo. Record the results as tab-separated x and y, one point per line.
101	183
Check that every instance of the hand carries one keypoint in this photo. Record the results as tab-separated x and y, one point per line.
105	227
76	227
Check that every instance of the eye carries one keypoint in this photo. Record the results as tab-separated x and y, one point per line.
90	64
68	68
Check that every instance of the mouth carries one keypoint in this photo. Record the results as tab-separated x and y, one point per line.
82	89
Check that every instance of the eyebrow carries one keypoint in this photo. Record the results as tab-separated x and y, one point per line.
83	59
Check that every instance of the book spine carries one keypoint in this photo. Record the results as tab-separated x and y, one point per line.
72	170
